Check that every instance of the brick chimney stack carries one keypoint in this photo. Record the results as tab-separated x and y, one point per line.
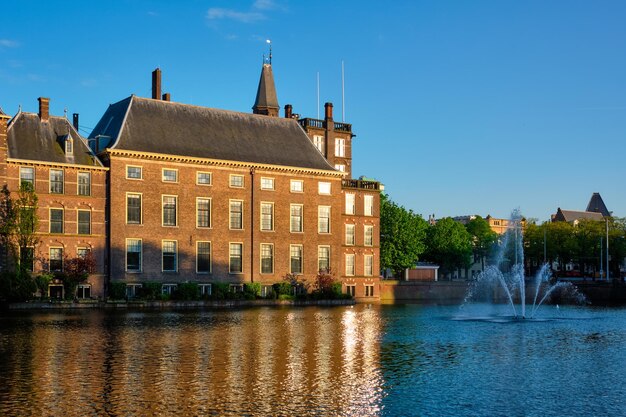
4	120
288	111
156	84
44	108
75	121
166	97
328	111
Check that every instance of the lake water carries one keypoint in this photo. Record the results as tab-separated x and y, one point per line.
350	361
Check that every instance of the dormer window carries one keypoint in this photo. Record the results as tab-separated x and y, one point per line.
69	146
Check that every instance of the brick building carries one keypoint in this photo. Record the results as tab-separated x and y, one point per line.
70	182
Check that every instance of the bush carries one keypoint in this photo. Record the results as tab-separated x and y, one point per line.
220	291
282	288
117	291
187	291
42	281
151	291
286	297
252	289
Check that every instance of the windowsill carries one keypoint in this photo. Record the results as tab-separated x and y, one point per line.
235	273
134	224
264	230
133	272
204	227
241	230
173	227
300	232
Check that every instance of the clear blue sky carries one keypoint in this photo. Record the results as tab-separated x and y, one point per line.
460	107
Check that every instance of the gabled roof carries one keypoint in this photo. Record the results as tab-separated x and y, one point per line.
596	204
572	215
164	127
266	93
31	139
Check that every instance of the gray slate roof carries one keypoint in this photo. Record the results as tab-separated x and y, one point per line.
147	125
266	93
597	205
30	138
572	215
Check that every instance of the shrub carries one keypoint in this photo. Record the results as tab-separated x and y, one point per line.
282	288
252	289
42	281
117	291
220	291
187	291
151	290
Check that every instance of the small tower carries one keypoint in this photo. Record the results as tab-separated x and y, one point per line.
266	101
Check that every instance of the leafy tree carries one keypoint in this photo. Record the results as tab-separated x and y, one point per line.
449	245
76	270
402	236
482	238
560	237
27	222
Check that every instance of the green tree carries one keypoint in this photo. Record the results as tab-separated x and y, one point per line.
402	236
482	238
27	224
561	239
449	245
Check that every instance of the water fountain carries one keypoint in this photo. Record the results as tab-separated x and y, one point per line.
507	275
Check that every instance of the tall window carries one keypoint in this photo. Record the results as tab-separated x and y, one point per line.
267	183
56	220
133	255
323	258
204	178
84	183
350	264
340	167
350	203
323	219
267	258
296	218
369	290
369	265
82	252
296	186
267	216
203	257
56	181
170	256
340	147
236	181
323	188
56	259
368	201
369	235
169	210
84	222
27	176
134	172
235	257
133	208
203	215
318	141
295	253
236	214
350	234
169	175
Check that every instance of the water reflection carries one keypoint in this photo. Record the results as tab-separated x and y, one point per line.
266	361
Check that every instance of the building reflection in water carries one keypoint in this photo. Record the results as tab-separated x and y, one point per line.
262	361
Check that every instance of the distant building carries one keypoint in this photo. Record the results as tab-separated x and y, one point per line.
596	210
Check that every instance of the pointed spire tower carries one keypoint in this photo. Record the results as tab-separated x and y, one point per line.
596	204
266	101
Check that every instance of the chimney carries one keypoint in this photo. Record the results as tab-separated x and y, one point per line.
166	97
44	108
156	84
75	121
288	111
328	111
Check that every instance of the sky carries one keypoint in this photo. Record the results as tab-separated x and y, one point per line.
459	107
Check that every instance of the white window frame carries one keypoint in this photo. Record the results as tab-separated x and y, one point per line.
340	147
366	241
78	184
176	210
78	222
369	290
163	255
368	205
50	220
140	256
318	142
340	167
230	224
210	257
291	217
295	188
350	203
261	247
203	289
140	168
267	183
62	181
210	200
24	169
271	205
350	264
368	267
350	234
230	271
164	179
50	249
327	247
301	248
319	220
140	208
231	177
210	174
324	188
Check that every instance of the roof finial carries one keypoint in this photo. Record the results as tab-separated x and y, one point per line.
270	44
65	112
